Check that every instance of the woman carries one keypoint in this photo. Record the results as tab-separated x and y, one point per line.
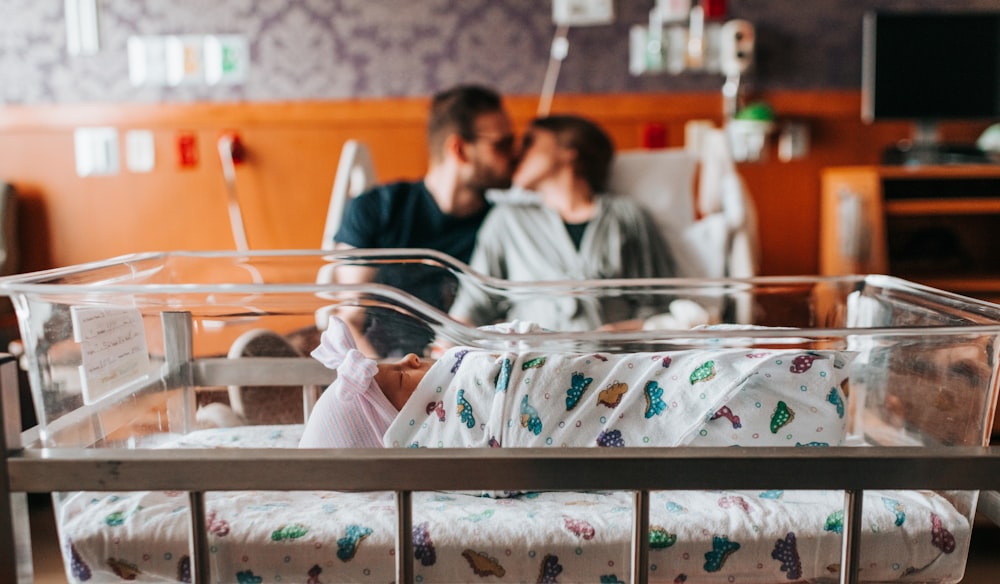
576	233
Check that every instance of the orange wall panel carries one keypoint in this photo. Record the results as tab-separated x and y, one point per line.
292	154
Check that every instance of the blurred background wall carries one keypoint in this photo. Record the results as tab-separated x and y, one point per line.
337	49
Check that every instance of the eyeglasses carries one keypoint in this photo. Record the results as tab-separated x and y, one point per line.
503	144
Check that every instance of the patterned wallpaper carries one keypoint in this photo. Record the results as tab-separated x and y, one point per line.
338	49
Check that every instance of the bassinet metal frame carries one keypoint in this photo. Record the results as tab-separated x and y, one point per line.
27	467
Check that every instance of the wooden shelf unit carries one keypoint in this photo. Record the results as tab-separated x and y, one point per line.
938	225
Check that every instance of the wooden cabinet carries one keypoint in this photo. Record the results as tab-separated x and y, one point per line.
938	225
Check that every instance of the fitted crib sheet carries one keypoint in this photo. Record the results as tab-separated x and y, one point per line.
313	536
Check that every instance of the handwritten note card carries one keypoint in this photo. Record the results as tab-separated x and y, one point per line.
113	345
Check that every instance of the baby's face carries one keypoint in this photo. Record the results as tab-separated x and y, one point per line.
399	379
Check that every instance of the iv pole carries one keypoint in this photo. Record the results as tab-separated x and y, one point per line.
560	48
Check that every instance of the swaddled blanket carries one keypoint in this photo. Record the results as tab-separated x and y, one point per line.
710	397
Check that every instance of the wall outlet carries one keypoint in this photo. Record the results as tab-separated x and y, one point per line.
140	151
793	141
582	12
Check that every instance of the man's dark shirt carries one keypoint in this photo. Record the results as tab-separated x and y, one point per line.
405	215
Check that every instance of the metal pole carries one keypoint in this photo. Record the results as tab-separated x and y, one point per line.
201	572
178	352
640	538
850	553
404	537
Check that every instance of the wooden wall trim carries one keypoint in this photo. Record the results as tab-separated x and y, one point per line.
212	114
293	148
661	106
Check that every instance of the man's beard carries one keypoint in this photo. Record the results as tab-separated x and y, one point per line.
484	179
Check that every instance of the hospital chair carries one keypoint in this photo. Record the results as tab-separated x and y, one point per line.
712	228
355	173
10	255
10	263
703	209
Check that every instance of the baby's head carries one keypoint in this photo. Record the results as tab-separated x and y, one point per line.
398	379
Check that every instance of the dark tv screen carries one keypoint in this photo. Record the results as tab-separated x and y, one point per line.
931	66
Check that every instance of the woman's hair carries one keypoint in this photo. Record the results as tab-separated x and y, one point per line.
594	148
455	110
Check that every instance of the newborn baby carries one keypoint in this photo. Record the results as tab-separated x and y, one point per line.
474	397
357	408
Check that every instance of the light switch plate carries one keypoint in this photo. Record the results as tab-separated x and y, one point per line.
96	151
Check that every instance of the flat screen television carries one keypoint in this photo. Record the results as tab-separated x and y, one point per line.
927	67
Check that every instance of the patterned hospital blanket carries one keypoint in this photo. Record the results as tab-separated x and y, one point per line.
750	397
326	537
